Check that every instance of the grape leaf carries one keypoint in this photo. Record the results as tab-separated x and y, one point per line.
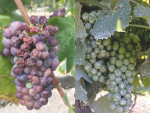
65	39
102	105
141	11
79	26
81	73
117	20
109	3
80	50
145	67
70	7
7	18
145	82
10	5
80	92
136	82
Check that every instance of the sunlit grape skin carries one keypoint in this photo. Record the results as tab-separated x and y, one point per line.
6	52
16	25
7	43
7	33
52	41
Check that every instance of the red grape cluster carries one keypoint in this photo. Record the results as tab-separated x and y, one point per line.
60	13
34	61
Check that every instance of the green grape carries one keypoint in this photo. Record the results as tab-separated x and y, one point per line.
111	68
131	35
93	55
92	19
103	53
96	50
95	78
108	82
112	106
133	73
113	53
126	62
122	45
129	88
89	49
116	102
125	35
138	47
133	52
108	64
103	69
136	39
130	79
127	54
113	60
88	26
116	89
122	50
131	67
128	102
145	38
115	46
93	44
126	40
101	46
118	80
29	84
109	87
122	92
109	96
123	68
93	13
87	56
106	42
98	14
116	97
132	59
122	101
127	96
129	47
85	17
128	73
107	54
92	61
113	83
108	48
126	108
98	65
116	34
88	67
121	56
123	77
99	74
93	71
91	32
119	109
118	72
98	42
122	85
90	75
88	42
102	79
119	63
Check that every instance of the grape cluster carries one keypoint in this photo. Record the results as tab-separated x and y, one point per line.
34	60
112	62
60	13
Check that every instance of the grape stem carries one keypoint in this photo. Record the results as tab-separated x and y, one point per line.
135	2
134	25
134	102
23	11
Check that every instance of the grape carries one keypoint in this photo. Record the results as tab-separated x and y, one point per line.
95	78
112	76
126	40
55	62
118	72
45	93
25	47
6	52
36	105
85	16
118	80
40	46
48	62
109	96
22	78
29	84
43	101
19	95
25	91
43	81
22	102
55	13
38	63
37	96
119	63
20	62
88	26
30	62
47	73
56	48
34	20
111	68
18	70
122	85
102	79
29	108
115	46
17	25
27	70
116	97
35	54
52	41
30	103
112	106
7	33
116	89
44	54
107	42
37	88
13	75
32	92
42	20
119	109
98	65
35	39
27	97
27	40
52	53
7	43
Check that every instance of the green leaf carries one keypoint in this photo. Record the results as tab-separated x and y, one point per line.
62	68
71	7
79	27
65	39
81	73
68	104
117	20
141	11
109	3
80	92
102	105
6	19
10	5
136	82
80	50
145	82
71	110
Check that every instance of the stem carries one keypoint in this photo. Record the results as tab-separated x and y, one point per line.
135	2
134	102
134	25
23	11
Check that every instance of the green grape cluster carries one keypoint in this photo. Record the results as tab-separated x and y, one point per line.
112	62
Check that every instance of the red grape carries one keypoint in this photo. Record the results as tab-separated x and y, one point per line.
25	91
6	52
7	43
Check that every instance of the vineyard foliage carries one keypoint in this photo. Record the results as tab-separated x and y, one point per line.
65	38
123	16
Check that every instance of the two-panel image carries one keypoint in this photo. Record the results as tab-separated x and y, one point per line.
74	56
